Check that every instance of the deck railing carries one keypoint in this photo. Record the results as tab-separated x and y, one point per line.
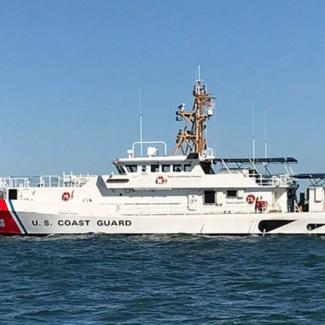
280	180
44	181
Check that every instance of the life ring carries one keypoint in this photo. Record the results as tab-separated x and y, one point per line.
161	180
66	196
250	199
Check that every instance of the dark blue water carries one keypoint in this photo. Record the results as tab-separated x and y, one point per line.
162	280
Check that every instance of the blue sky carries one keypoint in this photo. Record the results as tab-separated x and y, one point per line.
70	73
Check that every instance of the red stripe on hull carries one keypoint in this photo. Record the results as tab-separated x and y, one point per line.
8	225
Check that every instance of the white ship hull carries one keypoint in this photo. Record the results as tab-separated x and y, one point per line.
29	223
191	193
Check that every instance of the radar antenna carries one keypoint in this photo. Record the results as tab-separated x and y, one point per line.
192	139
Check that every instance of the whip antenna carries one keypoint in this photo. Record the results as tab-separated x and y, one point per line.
253	131
265	137
140	121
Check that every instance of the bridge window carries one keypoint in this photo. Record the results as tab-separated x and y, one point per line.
187	168
177	168
154	168
166	168
132	168
120	169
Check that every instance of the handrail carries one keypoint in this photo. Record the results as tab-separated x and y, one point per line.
149	142
6	182
44	181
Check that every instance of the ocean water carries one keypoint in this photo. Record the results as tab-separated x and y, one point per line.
162	280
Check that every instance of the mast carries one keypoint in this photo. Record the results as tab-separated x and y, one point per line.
191	139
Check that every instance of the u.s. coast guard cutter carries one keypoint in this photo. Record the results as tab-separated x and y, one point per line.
193	192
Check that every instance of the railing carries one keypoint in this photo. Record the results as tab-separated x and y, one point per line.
6	182
280	180
50	181
44	181
132	153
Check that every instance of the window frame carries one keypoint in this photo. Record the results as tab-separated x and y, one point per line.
120	169
175	166
131	168
163	168
156	168
187	168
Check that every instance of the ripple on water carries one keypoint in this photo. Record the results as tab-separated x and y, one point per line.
149	279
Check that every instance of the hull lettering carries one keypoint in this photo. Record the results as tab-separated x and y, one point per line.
112	223
78	223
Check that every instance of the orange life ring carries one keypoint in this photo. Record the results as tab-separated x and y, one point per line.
161	180
66	196
250	199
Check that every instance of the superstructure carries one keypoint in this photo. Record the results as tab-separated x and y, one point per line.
191	191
